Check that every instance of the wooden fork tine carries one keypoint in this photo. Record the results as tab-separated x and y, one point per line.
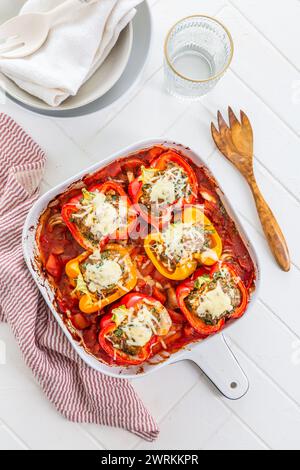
215	133
232	117
222	123
245	120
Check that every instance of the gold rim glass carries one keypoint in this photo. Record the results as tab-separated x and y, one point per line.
198	51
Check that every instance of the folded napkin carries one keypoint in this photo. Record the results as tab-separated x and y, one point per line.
74	50
78	392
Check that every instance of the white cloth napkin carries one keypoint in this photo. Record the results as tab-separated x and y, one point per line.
73	51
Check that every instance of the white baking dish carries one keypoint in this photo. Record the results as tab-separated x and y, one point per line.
212	355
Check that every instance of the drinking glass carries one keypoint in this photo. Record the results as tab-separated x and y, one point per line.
198	51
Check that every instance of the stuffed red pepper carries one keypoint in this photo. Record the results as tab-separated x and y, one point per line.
168	181
129	332
99	213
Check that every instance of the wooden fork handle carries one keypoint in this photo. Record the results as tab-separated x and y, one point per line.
271	228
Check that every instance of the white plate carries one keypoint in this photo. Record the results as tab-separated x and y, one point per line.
100	83
142	38
212	355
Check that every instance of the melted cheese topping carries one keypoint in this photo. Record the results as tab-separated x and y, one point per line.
102	276
182	240
163	190
216	302
210	254
137	335
167	186
139	326
106	216
99	215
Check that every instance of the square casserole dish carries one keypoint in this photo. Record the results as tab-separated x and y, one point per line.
212	354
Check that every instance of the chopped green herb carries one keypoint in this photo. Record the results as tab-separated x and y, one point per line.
87	195
118	333
201	281
219	275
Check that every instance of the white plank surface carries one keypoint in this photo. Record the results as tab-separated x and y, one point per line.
264	80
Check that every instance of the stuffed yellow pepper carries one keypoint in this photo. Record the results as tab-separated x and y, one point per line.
190	241
101	277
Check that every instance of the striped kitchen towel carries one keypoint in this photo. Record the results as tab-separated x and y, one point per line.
77	391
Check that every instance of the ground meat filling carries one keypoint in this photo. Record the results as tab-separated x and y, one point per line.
222	285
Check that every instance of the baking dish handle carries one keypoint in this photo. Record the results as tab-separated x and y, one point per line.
217	361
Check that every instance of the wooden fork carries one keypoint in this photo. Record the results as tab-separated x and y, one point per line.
235	142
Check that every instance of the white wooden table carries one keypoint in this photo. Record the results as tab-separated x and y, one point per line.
264	80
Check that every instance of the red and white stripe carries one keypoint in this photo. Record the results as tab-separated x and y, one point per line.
78	392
